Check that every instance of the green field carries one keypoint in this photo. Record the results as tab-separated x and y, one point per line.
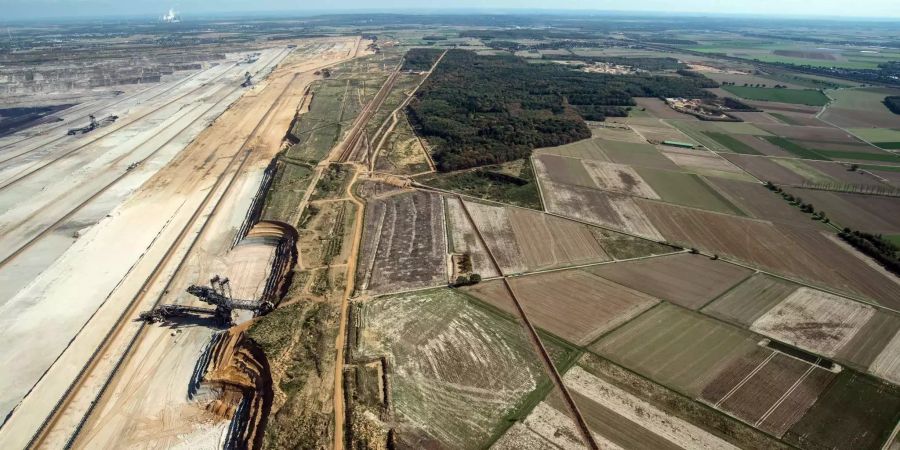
731	143
686	189
795	148
675	347
878	134
856	411
863	156
798	96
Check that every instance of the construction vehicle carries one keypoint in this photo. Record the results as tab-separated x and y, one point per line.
217	294
248	81
93	125
132	166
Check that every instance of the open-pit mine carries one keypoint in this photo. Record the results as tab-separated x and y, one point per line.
119	190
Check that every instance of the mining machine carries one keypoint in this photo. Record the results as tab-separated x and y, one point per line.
217	294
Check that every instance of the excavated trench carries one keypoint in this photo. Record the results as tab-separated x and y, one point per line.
232	378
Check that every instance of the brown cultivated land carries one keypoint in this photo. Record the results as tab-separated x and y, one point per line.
802	253
408	245
571	304
687	280
764	169
523	240
608	209
768	390
763	203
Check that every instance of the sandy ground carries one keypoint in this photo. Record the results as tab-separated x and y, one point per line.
173	230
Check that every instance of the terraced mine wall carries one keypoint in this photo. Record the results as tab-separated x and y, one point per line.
256	207
236	385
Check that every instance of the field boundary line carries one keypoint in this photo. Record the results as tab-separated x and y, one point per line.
536	339
594	264
726	291
746	379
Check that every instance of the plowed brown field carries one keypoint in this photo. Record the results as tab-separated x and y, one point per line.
687	280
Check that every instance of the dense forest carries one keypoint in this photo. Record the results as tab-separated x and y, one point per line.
477	110
893	103
419	59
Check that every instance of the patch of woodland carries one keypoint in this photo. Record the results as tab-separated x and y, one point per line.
477	110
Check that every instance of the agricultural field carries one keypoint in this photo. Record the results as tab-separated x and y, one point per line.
464	239
886	138
635	155
676	347
606	209
484	367
572	304
808	97
765	169
768	389
793	251
624	420
408	244
814	320
861	108
761	203
588	149
687	280
523	240
749	300
855	411
873	213
707	164
591	173
545	424
687	190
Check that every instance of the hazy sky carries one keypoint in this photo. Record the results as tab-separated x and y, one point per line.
86	8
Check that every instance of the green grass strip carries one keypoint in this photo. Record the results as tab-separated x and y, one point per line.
731	143
796	149
888	145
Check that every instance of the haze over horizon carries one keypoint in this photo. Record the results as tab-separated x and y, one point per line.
35	9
